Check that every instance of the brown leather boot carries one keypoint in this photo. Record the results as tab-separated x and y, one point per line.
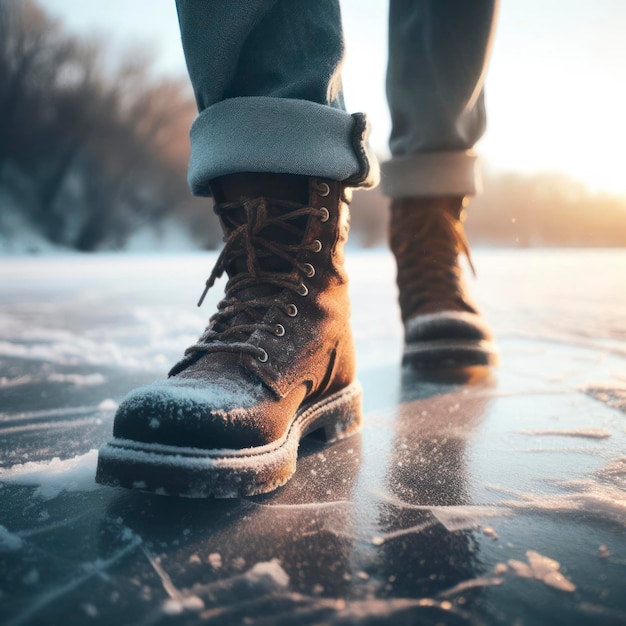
443	327
275	364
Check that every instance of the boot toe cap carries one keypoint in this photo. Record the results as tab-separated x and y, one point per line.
194	413
447	326
448	341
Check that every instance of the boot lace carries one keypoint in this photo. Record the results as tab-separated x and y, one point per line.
427	243
260	254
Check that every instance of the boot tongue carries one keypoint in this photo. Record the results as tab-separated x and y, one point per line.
236	187
247	189
242	188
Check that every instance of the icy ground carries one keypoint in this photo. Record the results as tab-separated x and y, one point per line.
500	500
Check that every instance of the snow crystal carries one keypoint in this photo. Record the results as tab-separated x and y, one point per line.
269	571
500	568
55	476
8	541
90	609
215	560
239	562
31	577
488	531
177	606
107	405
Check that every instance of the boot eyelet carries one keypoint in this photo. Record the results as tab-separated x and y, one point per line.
302	290
324	214
279	330
317	245
324	189
263	356
309	270
292	310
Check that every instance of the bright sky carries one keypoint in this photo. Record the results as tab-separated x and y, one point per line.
556	87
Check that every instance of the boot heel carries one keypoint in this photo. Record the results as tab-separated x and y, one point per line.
342	420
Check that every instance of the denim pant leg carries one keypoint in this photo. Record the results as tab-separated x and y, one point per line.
266	75
438	51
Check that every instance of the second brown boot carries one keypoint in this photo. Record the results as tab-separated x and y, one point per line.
444	329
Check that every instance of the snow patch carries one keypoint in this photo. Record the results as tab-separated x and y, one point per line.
264	578
78	380
6	382
613	394
615	472
107	405
268	573
82	351
539	567
9	542
602	497
225	397
56	476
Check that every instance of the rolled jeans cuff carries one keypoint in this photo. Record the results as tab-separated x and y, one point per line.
282	136
454	173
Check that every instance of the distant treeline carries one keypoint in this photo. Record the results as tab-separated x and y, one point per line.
90	153
515	210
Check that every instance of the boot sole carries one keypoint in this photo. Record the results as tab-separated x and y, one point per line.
450	355
200	473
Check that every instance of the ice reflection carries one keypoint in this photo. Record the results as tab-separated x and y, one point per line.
421	544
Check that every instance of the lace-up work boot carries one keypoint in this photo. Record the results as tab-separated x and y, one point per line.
276	362
443	328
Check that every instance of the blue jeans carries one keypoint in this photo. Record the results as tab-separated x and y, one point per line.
267	81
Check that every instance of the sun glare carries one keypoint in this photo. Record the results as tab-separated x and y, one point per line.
569	129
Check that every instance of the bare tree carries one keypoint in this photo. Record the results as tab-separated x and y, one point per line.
92	155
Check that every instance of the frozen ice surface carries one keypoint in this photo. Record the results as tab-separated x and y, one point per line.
493	500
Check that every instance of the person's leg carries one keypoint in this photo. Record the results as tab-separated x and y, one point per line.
266	74
438	51
275	148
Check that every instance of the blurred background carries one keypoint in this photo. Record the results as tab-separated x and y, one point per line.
95	110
